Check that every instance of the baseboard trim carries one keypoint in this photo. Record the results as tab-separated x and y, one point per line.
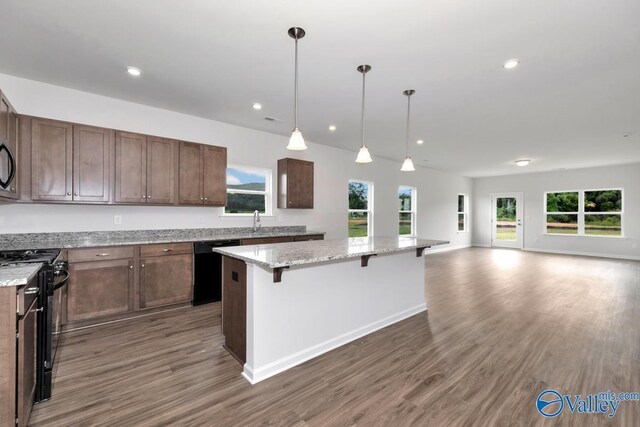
256	375
435	250
589	254
481	245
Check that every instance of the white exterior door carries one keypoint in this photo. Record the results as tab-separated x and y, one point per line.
507	220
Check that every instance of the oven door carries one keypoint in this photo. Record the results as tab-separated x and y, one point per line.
7	166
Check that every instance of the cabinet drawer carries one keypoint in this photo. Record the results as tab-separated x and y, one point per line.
166	249
100	254
309	237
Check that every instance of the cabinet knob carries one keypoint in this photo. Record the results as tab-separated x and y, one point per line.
201	198
69	193
148	197
13	188
142	266
206	198
75	194
131	267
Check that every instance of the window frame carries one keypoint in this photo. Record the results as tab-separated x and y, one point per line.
581	213
369	209
268	194
465	212
413	211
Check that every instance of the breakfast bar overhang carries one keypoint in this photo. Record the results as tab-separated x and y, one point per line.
287	303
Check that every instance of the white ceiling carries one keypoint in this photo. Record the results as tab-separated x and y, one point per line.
576	92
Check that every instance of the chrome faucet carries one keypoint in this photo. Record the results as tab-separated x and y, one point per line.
256	221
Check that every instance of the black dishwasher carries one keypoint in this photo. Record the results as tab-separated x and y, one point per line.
207	277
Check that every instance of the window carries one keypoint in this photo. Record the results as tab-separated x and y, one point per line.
407	211
584	213
360	209
248	190
462	212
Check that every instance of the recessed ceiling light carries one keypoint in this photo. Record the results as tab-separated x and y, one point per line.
512	63
522	162
420	142
134	71
332	128
257	106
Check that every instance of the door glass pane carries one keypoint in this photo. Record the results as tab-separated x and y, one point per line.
405	223
245	179
603	201
602	225
460	222
245	203
562	224
562	202
358	193
358	224
506	218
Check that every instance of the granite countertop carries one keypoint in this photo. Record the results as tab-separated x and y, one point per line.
24	241
298	253
18	274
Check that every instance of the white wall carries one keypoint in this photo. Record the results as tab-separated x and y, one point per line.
535	184
437	191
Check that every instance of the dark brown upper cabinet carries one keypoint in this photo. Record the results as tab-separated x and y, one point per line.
70	162
295	184
51	160
145	169
202	179
8	150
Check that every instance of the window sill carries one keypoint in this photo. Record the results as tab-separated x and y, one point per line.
585	235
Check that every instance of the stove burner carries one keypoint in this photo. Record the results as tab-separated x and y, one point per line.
36	255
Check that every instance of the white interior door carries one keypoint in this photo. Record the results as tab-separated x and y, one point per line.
507	220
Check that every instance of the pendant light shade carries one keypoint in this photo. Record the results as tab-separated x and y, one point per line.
407	165
363	154
296	142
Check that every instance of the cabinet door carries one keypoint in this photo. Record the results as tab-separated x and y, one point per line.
27	347
234	306
131	168
190	188
300	184
166	280
51	160
161	171
215	175
99	288
91	163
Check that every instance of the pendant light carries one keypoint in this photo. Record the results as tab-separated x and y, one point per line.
363	154
296	142
407	166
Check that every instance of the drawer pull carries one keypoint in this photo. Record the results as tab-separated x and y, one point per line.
105	254
31	291
167	250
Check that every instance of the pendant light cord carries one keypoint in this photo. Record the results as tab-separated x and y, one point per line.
296	87
408	120
362	118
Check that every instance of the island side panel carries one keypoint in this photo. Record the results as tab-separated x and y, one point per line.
234	307
318	307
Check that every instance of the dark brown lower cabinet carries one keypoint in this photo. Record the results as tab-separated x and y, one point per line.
234	307
166	280
309	237
266	240
27	346
99	288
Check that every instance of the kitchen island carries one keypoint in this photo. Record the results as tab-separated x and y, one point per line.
285	304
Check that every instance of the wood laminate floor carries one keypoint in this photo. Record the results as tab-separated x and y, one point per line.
502	326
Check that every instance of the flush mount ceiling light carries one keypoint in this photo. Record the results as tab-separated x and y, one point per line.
296	142
420	142
510	64
134	71
332	128
522	162
407	165
363	154
257	106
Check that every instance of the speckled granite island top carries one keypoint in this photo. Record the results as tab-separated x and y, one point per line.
24	241
298	253
17	275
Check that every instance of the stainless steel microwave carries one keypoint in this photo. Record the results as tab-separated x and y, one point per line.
7	167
